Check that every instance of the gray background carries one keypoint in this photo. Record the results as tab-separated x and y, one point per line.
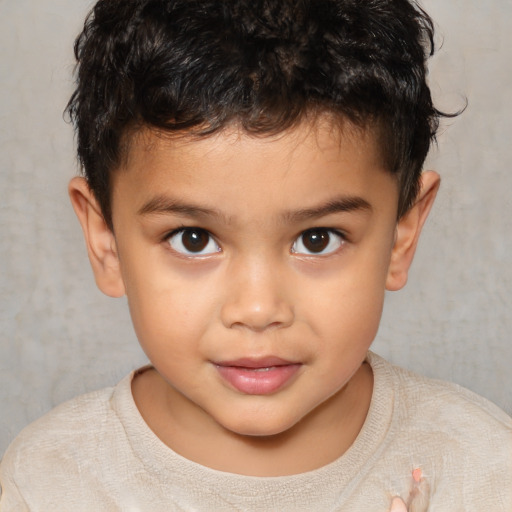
60	336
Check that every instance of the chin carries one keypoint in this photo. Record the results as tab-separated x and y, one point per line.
259	428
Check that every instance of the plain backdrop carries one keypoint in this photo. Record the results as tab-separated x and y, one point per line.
60	336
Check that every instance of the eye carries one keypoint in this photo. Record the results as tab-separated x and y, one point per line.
193	242
318	241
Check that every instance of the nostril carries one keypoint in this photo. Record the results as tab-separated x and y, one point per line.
258	327
257	315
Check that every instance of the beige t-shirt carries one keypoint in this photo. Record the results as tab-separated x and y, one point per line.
96	453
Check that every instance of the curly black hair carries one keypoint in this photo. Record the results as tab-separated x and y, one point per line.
197	66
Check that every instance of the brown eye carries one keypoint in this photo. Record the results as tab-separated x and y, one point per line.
318	241
193	242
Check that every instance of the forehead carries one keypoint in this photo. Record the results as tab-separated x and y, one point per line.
308	161
326	134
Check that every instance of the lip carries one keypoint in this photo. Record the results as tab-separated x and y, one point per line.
259	376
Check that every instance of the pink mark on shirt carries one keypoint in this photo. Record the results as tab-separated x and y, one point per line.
416	475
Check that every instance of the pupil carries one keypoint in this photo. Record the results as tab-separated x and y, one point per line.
315	241
194	240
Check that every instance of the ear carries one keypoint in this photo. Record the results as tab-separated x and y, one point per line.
99	239
408	232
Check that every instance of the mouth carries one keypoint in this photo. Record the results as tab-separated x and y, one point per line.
257	376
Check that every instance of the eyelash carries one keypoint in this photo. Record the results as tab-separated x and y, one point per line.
336	239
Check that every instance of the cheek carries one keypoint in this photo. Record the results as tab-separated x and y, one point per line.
165	307
345	313
348	295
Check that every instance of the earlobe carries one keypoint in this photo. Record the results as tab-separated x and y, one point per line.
99	239
408	232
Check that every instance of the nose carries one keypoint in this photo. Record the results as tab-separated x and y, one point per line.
257	297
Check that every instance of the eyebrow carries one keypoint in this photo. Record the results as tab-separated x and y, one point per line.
337	205
164	204
168	205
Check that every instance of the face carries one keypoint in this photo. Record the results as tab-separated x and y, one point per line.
255	268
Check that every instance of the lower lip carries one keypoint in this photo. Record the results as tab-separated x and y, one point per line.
258	381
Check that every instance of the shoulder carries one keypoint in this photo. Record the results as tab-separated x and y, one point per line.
462	440
448	404
439	402
58	446
76	418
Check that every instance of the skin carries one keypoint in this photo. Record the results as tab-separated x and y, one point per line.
256	290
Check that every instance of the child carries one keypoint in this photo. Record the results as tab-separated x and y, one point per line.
253	185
